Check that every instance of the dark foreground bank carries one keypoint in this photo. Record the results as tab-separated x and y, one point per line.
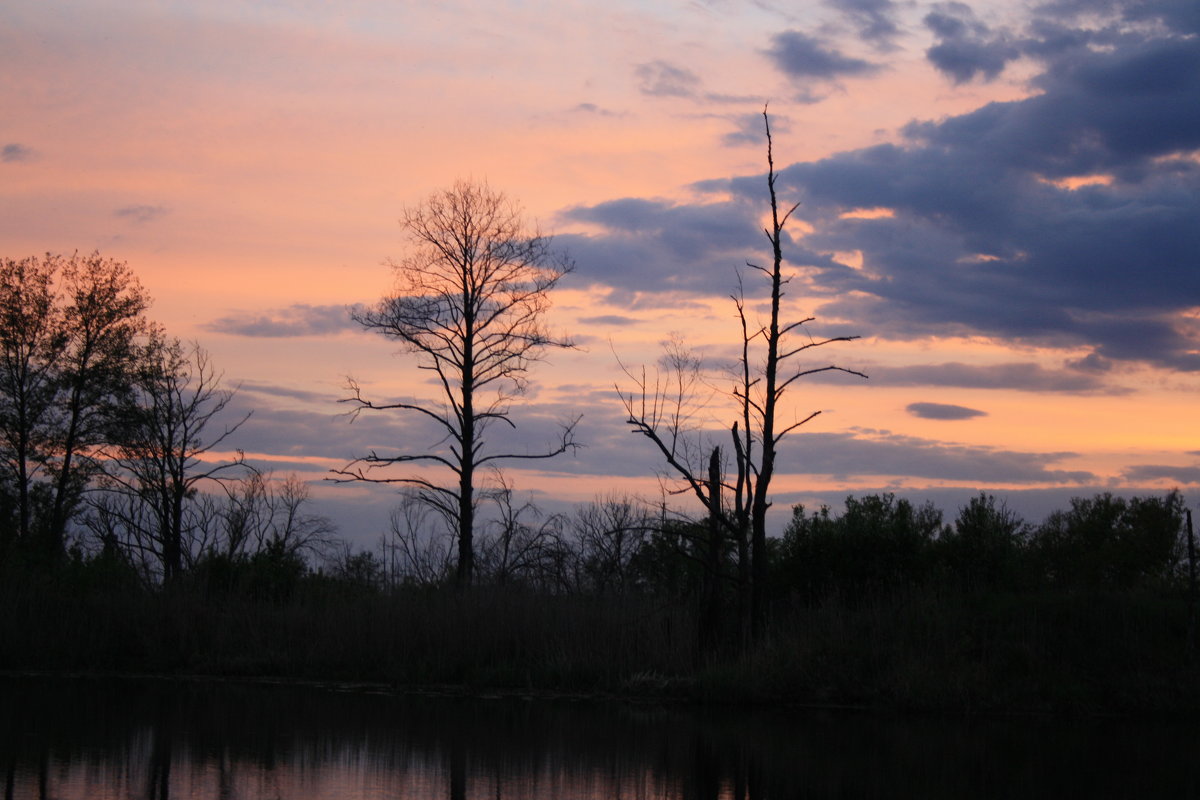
924	649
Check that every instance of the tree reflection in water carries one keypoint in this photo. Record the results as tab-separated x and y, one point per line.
107	738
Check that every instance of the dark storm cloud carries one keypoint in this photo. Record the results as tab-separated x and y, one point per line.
943	411
663	79
865	452
965	46
653	246
141	213
799	55
1092	362
874	20
1153	472
300	319
981	241
14	152
1181	16
1065	219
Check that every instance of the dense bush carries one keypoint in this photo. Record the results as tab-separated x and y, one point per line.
878	545
1107	542
985	550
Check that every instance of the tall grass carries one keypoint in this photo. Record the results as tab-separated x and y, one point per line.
496	637
924	650
920	649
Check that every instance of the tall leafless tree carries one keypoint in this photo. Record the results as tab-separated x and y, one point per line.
660	408
469	301
760	396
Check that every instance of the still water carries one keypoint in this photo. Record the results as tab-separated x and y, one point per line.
109	738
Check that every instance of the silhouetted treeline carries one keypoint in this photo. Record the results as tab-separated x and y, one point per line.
881	544
884	604
109	430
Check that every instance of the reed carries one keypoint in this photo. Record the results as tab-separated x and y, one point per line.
920	649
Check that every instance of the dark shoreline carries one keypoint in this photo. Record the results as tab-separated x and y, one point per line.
925	650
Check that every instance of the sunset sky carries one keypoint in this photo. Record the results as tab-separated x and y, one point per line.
1002	199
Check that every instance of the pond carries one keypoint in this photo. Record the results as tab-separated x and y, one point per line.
155	738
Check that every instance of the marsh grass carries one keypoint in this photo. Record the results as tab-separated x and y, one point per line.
487	637
1038	652
924	649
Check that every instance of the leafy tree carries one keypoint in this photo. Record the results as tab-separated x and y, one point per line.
670	560
469	302
986	546
1108	542
879	544
32	340
68	332
103	320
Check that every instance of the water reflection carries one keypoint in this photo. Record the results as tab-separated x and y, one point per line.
92	738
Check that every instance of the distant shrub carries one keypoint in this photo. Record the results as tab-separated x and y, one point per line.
1108	542
985	550
879	544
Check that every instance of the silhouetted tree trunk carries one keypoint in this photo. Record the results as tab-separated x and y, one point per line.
764	407
32	340
1191	553
657	409
469	302
710	616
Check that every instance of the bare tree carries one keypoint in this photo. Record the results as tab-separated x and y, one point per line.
662	409
611	529
469	302
262	514
760	396
164	452
521	543
419	548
